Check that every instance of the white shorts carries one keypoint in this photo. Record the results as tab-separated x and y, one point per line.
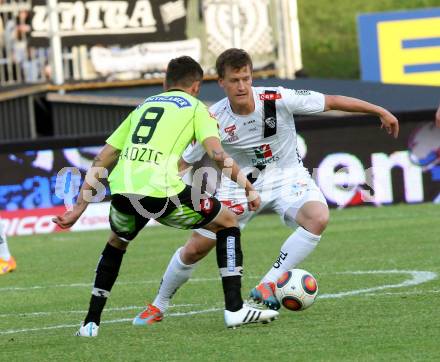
279	199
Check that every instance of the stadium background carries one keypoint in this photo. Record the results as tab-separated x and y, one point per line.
377	265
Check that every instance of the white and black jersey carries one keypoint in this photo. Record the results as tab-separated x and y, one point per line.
266	138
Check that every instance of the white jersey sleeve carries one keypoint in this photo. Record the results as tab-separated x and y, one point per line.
302	101
193	153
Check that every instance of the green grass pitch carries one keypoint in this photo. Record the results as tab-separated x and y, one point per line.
377	270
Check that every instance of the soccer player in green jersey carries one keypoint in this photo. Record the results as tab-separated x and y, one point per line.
145	185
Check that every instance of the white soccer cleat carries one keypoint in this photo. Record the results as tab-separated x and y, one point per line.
88	330
249	314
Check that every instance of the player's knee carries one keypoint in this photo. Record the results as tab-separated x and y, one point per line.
189	255
313	219
318	222
115	241
230	220
225	220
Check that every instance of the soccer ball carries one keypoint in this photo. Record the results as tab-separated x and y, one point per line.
296	289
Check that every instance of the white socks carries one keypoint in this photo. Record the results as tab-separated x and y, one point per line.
4	250
294	250
175	276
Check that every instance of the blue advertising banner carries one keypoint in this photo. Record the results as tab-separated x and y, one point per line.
400	47
31	180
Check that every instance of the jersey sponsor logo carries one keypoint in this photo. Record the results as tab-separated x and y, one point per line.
263	151
271	122
302	92
235	207
264	155
230	130
270	96
178	101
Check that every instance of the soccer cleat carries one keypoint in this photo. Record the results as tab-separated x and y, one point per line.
149	316
88	330
265	293
7	266
248	314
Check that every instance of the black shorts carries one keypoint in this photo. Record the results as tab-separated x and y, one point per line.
130	213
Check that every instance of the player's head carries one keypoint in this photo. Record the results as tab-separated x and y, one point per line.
184	73
234	69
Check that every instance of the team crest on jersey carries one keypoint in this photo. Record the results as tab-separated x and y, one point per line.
270	96
230	130
271	122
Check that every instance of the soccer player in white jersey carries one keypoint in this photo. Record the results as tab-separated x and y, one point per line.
257	129
7	261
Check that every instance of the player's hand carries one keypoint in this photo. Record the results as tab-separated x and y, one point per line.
68	219
390	123
254	200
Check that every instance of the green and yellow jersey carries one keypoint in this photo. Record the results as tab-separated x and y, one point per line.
152	138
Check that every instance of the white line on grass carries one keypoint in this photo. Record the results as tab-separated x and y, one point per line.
115	309
415	273
414	292
121	320
81	285
418	277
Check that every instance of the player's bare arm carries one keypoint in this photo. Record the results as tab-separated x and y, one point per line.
230	169
349	104
105	160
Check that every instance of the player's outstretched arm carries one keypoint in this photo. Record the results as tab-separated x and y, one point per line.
104	160
230	169
349	104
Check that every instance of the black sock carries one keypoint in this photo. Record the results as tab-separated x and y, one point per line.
230	263
106	274
232	291
95	309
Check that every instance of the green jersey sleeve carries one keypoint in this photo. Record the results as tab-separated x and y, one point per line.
119	136
205	125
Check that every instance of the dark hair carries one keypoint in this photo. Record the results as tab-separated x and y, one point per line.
183	71
233	58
